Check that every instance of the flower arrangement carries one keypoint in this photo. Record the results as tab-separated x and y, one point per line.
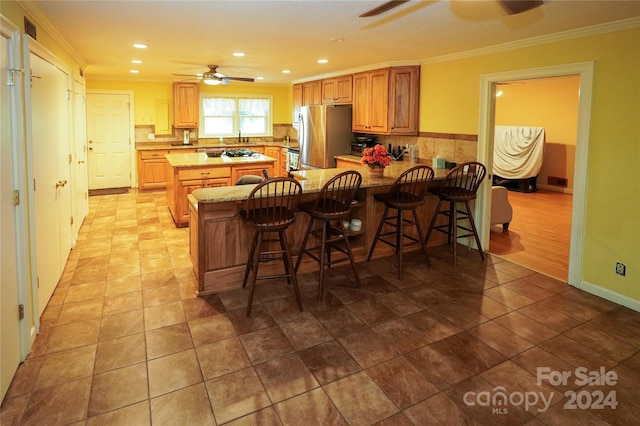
376	156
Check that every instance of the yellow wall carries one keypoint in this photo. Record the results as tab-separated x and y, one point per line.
551	103
450	101
146	96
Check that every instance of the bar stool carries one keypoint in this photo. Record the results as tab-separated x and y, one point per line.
332	205
407	193
460	185
270	209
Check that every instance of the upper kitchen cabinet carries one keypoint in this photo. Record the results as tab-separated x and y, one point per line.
386	101
404	94
337	90
185	105
371	101
311	93
297	103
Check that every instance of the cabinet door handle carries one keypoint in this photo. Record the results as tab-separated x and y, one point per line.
205	173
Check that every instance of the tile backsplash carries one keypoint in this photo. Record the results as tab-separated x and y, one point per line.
142	132
452	147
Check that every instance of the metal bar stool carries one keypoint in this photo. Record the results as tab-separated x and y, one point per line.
407	193
270	210
460	185
332	205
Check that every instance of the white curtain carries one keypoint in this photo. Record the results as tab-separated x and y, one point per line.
518	151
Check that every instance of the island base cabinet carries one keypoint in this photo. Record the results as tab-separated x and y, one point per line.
220	241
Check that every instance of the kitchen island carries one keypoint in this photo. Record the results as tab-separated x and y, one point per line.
190	171
219	242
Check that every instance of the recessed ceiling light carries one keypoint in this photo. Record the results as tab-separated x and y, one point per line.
136	61
140	46
323	61
286	71
259	78
336	40
134	71
238	54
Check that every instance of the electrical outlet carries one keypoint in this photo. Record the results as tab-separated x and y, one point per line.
151	136
621	269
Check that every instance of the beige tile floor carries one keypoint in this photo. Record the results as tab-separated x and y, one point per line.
126	341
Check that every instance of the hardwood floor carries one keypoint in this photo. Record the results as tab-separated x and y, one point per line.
539	234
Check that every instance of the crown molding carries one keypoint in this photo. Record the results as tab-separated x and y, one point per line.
608	27
41	19
360	69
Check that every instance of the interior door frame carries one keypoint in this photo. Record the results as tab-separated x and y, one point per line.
132	131
486	125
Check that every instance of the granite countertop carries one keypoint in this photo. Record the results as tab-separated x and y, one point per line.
195	159
310	180
148	146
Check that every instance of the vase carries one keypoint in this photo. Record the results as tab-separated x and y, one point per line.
376	171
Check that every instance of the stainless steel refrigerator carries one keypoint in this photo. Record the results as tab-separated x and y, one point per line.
325	131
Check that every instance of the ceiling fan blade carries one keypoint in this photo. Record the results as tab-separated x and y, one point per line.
247	79
513	7
383	8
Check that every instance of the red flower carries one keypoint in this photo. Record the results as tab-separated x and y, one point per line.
376	156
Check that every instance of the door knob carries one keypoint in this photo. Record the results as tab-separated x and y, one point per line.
90	148
61	183
80	161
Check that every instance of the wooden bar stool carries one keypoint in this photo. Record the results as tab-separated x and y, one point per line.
332	205
270	210
406	194
460	185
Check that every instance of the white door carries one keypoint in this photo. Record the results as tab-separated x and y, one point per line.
79	162
48	112
9	287
109	143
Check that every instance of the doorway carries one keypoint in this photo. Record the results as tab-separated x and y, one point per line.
109	136
488	84
539	234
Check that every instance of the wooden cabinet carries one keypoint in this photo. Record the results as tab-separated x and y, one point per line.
404	100
312	93
283	162
337	90
297	103
274	152
183	181
152	167
256	170
185	105
386	101
371	101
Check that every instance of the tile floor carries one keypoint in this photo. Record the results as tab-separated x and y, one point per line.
125	340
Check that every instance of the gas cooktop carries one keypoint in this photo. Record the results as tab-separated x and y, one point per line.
239	152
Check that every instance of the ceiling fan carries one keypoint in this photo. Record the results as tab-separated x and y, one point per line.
212	77
512	7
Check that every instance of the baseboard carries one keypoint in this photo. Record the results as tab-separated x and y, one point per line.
611	296
555	189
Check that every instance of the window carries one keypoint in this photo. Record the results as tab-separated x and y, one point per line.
228	115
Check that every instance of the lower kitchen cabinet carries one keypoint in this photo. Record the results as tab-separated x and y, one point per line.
182	182
152	167
239	171
275	153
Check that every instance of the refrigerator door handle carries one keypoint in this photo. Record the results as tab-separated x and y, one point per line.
301	139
